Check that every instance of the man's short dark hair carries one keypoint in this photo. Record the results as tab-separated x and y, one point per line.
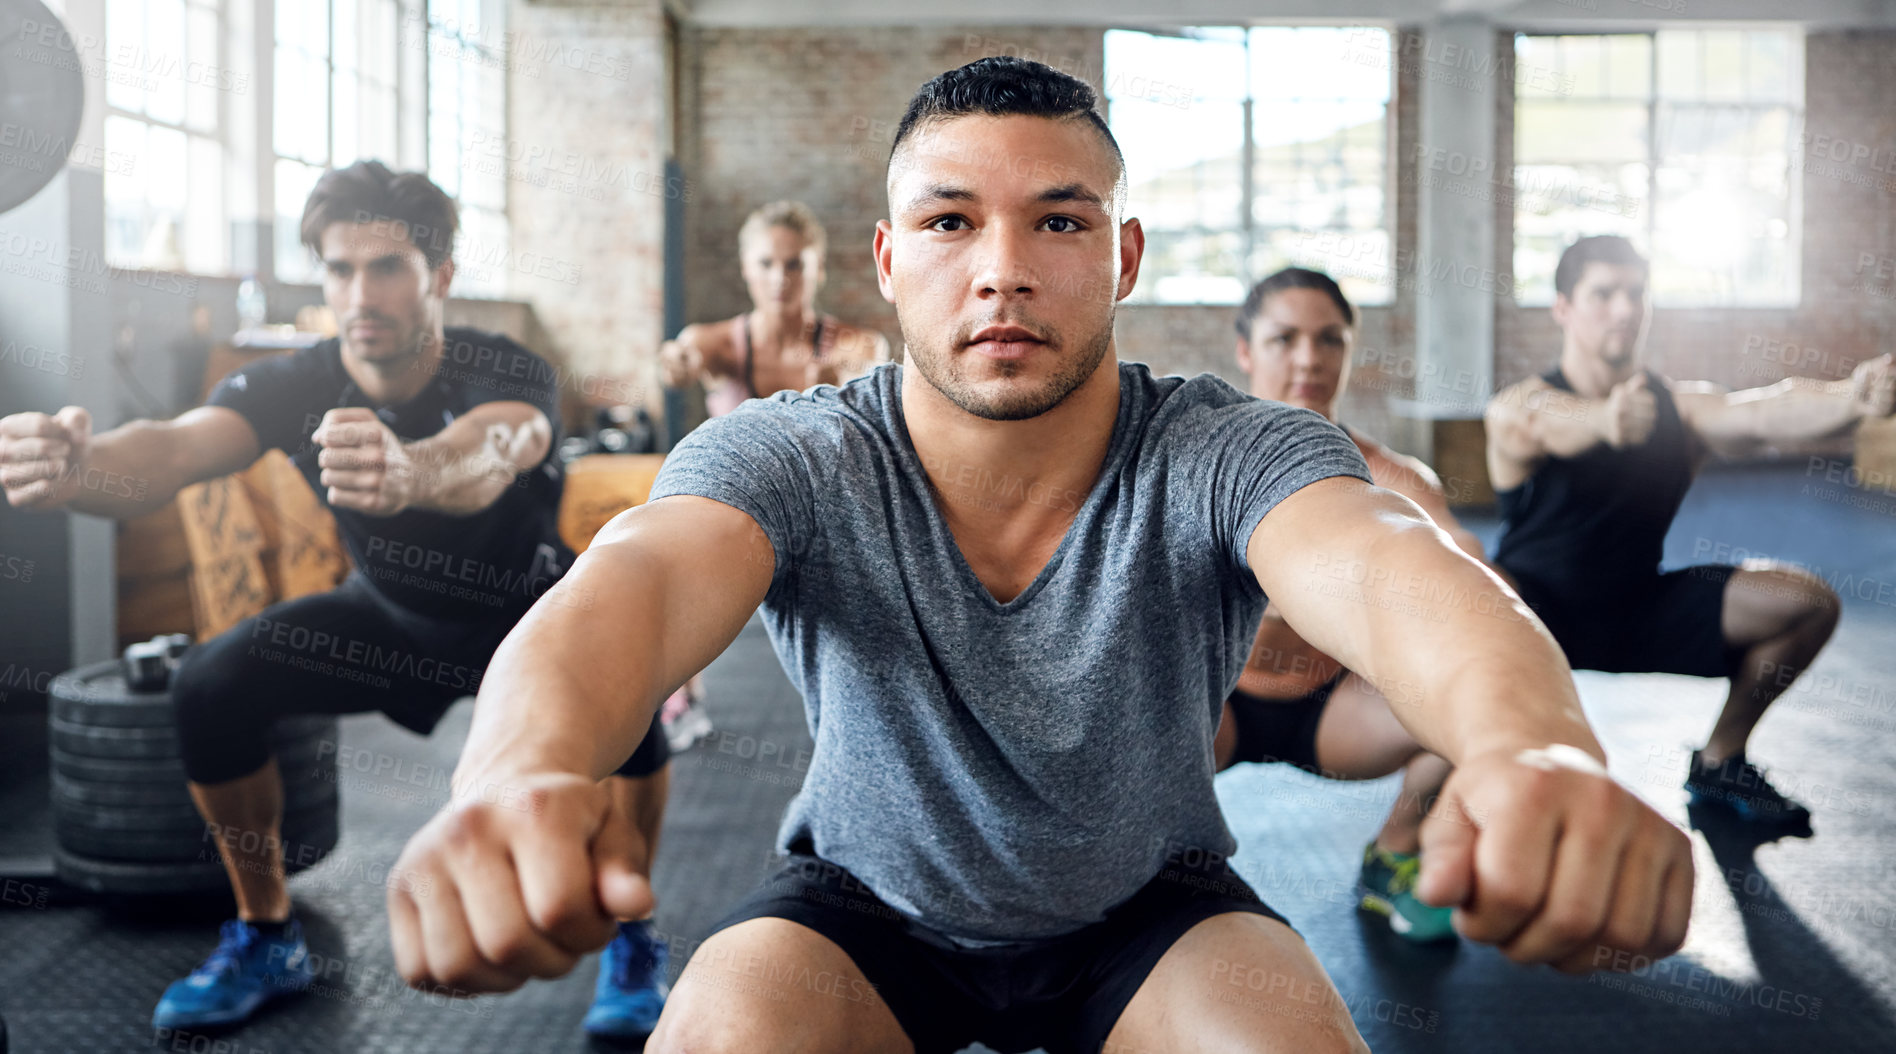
1291	278
407	204
1600	248
1004	86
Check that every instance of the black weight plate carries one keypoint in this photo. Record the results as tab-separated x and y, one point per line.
97	741
42	91
84	793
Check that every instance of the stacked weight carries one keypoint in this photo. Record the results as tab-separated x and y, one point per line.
125	823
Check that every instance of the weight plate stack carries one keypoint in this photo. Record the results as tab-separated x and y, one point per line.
123	818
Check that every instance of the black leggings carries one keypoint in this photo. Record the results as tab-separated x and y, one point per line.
347	651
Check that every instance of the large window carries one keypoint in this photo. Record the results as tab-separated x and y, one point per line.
1248	149
336	102
1682	140
166	88
467	129
413	83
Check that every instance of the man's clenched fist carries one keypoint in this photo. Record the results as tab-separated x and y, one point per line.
365	465
1873	386
502	887
40	455
1631	412
1547	858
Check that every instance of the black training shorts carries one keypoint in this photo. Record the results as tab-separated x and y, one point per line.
1061	993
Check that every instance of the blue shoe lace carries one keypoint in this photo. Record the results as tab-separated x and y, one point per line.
234	941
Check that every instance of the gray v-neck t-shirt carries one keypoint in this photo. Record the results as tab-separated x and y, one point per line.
1009	771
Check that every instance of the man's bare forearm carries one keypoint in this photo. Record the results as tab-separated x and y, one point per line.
1475	668
1362	574
573	688
128	471
467	466
1794	410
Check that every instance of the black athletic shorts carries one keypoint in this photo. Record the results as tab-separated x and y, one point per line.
1062	993
1282	730
345	651
1667	623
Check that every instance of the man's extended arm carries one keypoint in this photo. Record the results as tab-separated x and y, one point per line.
1794	410
1363	575
1541	853
53	461
529	866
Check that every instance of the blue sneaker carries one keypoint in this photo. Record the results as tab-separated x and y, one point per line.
246	970
631	988
1388	885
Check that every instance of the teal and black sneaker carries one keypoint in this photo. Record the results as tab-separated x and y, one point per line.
1740	786
631	988
247	970
1388	881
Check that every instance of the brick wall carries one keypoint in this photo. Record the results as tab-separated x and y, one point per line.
585	156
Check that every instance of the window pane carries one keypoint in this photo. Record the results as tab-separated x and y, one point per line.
159	63
346	146
124	28
1192	267
346	34
1768	66
1554	130
1173	71
483	239
1341	62
1586	67
302	107
304	24
294	181
206	231
124	191
1723	69
203	74
1182	166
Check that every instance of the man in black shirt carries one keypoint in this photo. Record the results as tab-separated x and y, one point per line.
434	448
1590	462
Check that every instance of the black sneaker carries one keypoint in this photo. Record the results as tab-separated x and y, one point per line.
1740	786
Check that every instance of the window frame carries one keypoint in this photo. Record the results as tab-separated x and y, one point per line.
1252	233
1655	102
219	135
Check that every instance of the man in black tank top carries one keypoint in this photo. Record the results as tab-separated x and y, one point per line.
1590	462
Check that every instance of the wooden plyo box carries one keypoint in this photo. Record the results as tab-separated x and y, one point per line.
1876	452
224	550
599	487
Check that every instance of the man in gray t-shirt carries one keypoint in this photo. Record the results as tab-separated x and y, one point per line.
1014	580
